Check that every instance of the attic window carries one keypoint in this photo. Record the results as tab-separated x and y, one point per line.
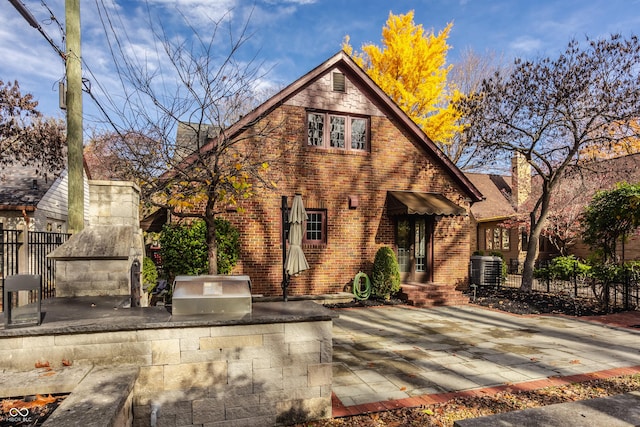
338	82
337	131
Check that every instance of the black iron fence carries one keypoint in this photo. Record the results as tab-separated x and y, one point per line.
39	244
622	291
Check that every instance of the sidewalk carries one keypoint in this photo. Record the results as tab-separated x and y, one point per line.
391	357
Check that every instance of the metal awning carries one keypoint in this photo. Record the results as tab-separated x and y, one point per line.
414	203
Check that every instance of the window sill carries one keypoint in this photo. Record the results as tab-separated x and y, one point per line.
338	151
313	246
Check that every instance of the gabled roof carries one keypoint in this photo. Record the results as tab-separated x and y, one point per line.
342	61
21	188
497	192
576	188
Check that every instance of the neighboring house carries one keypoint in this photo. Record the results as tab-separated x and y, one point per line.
604	175
492	217
504	197
368	176
42	200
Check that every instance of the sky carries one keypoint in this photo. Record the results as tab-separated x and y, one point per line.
288	38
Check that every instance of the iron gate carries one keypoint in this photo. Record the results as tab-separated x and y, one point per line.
40	243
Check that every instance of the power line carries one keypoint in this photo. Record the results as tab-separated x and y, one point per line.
22	9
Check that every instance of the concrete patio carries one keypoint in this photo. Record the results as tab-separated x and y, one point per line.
386	357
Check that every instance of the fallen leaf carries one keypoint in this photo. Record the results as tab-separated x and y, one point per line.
40	364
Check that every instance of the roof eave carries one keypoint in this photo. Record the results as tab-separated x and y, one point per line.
344	59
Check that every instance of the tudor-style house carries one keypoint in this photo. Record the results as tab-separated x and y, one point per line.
368	176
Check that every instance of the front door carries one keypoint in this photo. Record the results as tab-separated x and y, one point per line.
413	240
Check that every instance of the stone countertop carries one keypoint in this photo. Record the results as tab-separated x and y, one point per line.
107	314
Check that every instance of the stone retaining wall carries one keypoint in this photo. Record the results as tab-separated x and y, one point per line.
235	375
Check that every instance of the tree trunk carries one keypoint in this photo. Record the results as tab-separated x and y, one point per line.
533	247
212	247
530	260
212	243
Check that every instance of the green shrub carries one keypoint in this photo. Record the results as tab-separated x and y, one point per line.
228	239
385	278
149	274
184	248
504	264
563	268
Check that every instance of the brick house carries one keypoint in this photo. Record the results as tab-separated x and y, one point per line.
604	175
507	195
504	197
368	177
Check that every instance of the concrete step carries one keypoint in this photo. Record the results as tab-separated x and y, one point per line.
432	295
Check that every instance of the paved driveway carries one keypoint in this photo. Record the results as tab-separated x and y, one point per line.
390	353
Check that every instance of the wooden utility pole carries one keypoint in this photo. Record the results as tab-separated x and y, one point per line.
74	117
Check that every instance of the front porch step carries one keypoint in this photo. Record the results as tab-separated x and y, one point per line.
432	295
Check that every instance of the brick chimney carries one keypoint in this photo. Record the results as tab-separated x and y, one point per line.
520	180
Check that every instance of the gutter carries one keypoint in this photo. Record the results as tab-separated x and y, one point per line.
22	208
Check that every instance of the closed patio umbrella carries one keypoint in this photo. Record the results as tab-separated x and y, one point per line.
295	262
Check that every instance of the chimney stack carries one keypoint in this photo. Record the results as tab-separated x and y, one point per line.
520	180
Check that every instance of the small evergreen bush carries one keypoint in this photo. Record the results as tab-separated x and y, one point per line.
385	278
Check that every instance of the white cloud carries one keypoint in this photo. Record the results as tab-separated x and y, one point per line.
526	44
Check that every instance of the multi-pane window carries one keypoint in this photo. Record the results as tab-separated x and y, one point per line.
315	228
497	239
338	125
315	123
358	134
343	132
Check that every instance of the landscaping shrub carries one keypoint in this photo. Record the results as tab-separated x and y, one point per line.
563	268
385	279
504	264
149	274
184	248
228	239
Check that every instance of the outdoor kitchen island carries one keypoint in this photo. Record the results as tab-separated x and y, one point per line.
271	366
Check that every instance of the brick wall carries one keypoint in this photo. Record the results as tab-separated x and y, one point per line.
326	178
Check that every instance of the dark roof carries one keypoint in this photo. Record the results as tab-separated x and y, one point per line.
576	188
22	188
497	192
154	221
342	61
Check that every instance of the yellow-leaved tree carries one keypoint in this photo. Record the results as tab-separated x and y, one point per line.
411	68
623	141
